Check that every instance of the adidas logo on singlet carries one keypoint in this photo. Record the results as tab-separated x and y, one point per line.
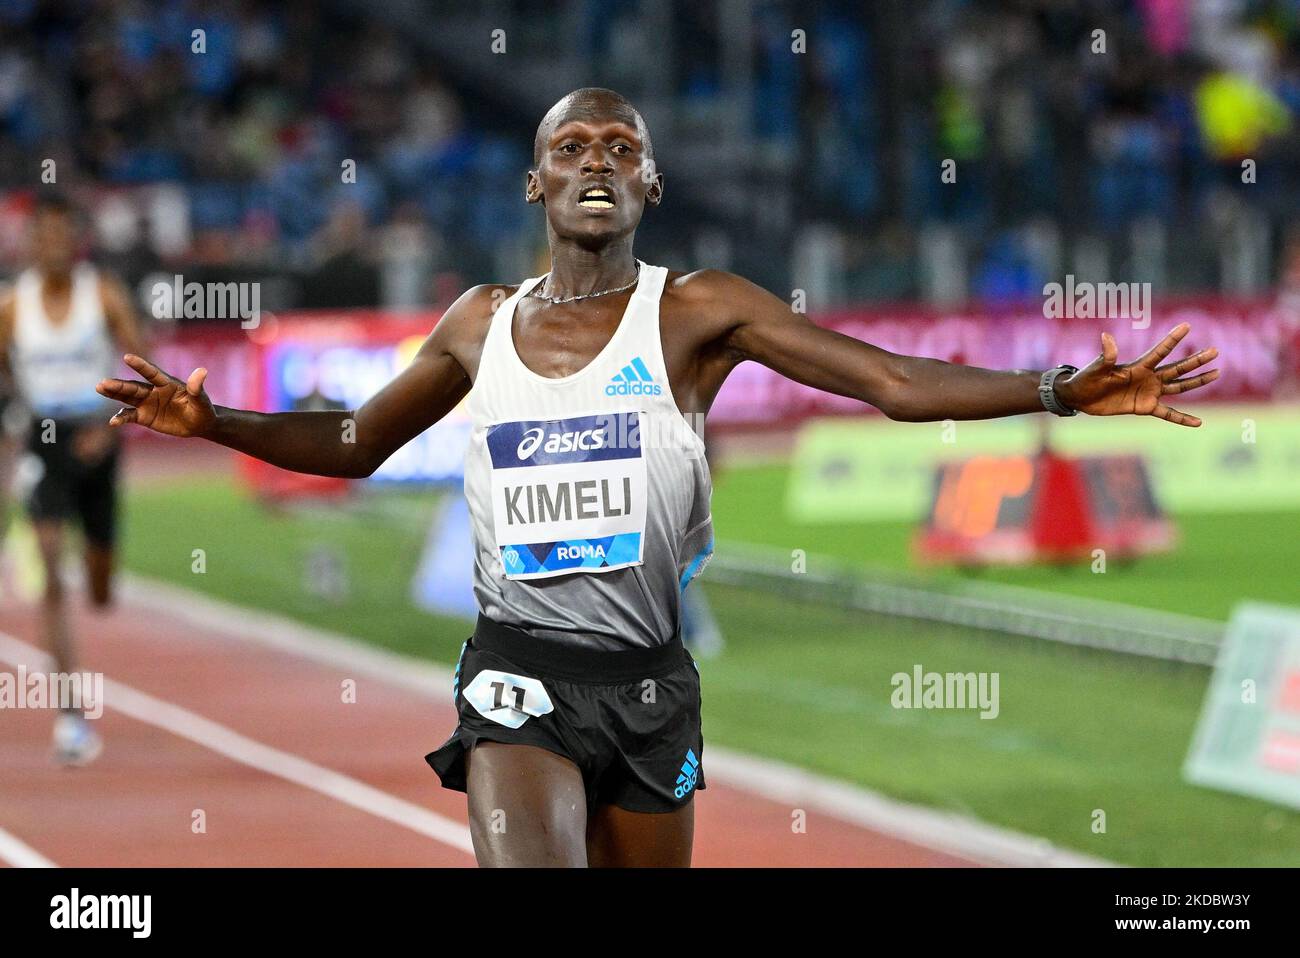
633	380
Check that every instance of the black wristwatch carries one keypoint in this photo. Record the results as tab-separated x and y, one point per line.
1047	394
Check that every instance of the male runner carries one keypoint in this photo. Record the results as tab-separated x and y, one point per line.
579	739
12	434
61	327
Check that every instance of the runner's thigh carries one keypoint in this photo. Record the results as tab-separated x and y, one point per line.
527	807
617	838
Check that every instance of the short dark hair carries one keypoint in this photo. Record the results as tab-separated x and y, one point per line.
588	103
50	201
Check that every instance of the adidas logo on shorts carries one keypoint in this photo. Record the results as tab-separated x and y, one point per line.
634	379
690	774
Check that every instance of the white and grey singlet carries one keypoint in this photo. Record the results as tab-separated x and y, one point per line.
589	495
57	367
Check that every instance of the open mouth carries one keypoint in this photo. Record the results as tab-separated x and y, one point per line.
596	198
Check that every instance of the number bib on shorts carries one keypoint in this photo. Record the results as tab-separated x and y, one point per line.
568	495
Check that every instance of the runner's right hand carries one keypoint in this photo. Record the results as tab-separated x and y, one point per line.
163	403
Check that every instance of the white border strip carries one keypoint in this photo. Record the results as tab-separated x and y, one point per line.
21	855
949	833
239	748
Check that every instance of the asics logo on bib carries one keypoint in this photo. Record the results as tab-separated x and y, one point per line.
634	379
580	439
688	776
560	441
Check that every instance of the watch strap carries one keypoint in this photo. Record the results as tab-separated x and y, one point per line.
1047	392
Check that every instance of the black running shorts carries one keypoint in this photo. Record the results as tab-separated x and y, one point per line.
629	720
70	487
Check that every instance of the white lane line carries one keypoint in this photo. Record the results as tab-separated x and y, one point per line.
269	631
239	748
946	832
20	854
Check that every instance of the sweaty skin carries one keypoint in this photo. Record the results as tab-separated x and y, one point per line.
710	322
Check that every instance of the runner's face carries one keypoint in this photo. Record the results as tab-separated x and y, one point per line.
54	242
583	158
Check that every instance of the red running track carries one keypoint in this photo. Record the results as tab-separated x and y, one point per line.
137	804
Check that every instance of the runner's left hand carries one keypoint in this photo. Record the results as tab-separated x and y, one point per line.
1105	388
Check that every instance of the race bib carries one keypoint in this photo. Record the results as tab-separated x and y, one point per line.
507	699
568	495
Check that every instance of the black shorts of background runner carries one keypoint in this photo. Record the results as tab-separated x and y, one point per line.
629	720
70	487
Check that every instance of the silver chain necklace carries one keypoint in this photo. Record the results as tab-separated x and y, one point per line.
558	300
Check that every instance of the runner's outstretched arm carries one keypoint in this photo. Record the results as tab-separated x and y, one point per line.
345	443
914	389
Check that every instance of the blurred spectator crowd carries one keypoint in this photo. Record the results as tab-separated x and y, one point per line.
1103	135
252	135
1165	122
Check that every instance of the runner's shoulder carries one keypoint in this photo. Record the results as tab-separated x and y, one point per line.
114	294
704	287
709	294
471	313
